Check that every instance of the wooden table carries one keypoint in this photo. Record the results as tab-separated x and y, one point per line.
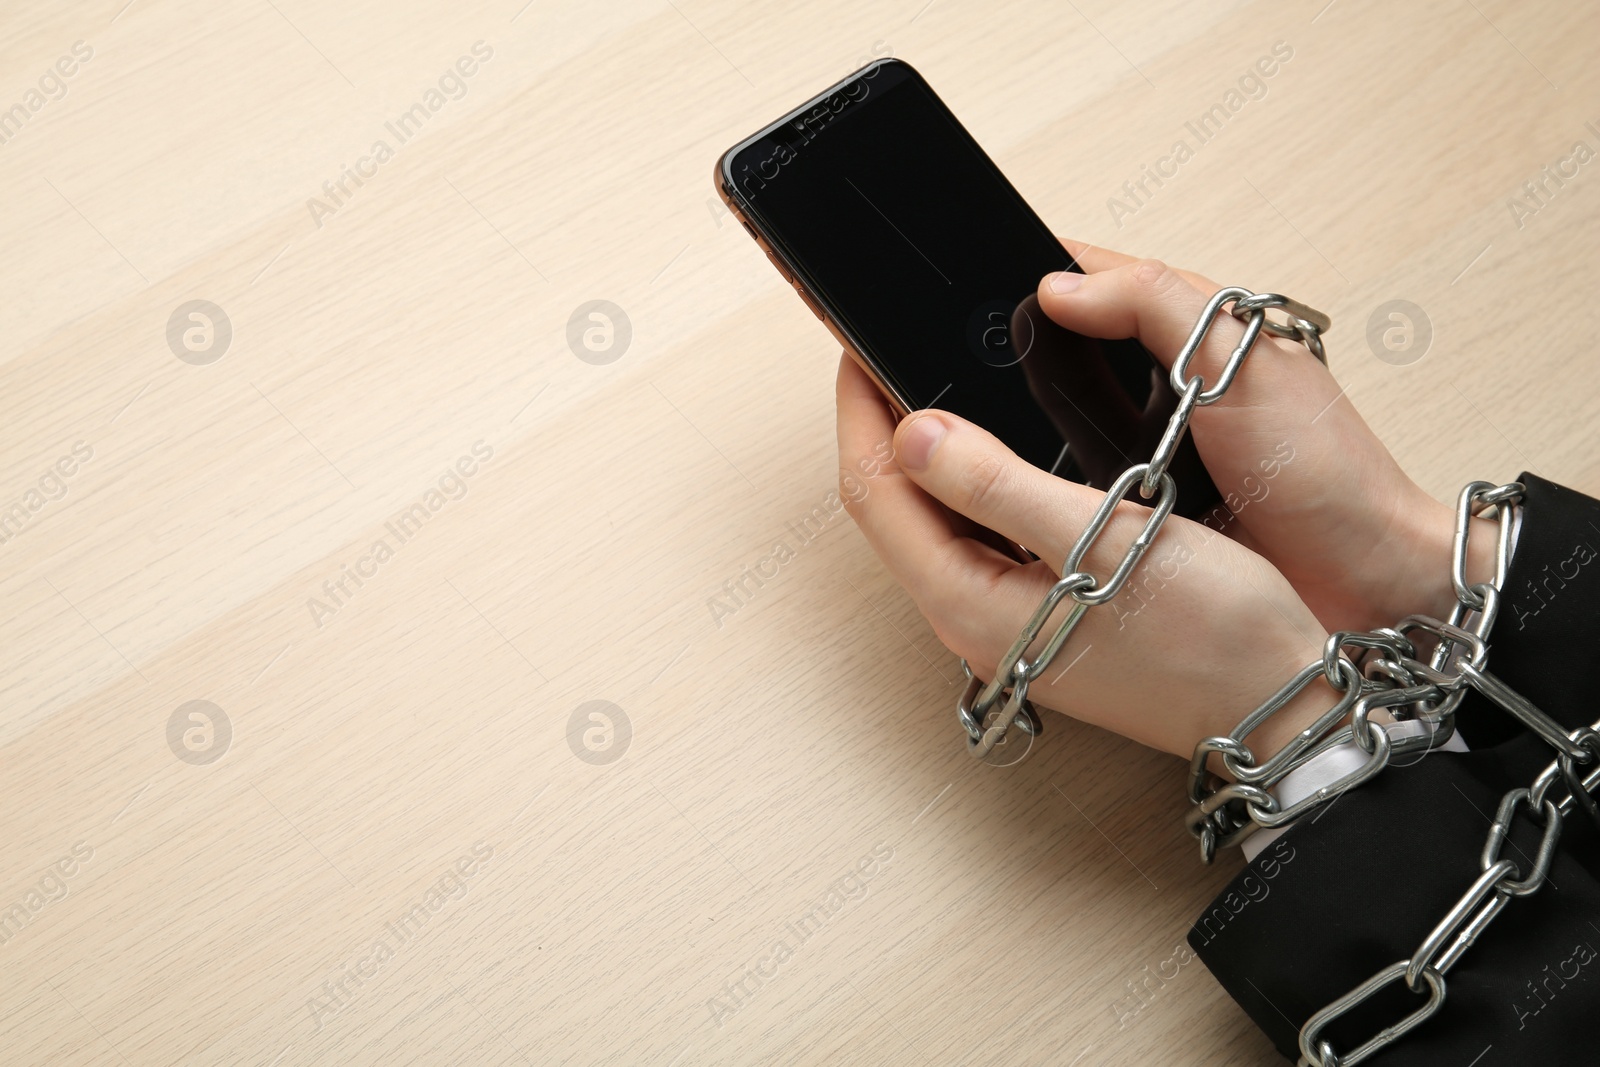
372	511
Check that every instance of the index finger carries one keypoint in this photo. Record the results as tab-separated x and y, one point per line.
923	544
1094	259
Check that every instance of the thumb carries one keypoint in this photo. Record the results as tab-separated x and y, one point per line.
1158	305
1281	391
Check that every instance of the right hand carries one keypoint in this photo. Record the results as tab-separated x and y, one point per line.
1361	543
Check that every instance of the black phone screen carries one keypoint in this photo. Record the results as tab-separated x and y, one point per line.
894	218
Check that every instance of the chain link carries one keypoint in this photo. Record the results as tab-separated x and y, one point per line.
1499	881
988	710
1384	673
1393	679
1422	696
1457	666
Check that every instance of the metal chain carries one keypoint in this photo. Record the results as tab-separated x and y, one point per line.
988	711
1392	679
1420	697
1456	666
1425	695
1499	880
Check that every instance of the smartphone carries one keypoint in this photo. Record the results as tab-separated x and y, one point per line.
906	240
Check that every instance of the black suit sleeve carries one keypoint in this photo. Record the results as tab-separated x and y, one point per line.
1357	886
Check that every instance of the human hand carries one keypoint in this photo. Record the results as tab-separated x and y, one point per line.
1217	629
1360	542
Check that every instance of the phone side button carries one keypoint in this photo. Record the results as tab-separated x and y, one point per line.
782	269
811	303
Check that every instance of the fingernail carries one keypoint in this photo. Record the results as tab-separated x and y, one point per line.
919	440
1064	281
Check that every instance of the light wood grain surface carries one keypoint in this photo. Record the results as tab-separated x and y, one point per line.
379	843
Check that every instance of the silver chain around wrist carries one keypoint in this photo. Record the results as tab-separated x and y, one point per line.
988	711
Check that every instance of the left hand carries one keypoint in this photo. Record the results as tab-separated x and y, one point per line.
1204	630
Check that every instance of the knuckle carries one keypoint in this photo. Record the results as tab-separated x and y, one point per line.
958	634
974	634
1152	275
962	646
982	483
945	619
852	491
946	602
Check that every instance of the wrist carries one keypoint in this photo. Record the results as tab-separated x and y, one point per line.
1275	669
1302	709
1423	552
